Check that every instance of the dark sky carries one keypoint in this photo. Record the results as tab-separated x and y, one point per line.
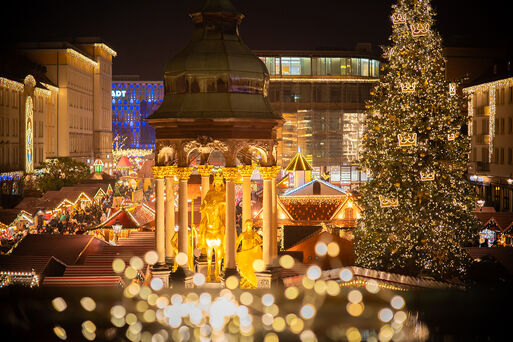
146	33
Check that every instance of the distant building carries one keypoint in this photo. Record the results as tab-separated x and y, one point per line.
132	102
321	95
81	127
490	112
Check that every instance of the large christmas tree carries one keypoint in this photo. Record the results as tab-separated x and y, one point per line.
417	206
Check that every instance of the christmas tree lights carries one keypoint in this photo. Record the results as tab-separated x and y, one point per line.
417	206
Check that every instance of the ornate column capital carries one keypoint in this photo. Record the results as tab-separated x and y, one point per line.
169	171
246	170
269	172
231	173
183	173
205	170
159	172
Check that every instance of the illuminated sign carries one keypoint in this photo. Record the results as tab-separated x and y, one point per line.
118	93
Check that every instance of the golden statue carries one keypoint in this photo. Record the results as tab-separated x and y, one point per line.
250	250
212	225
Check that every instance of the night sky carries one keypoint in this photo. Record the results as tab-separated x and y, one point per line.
146	33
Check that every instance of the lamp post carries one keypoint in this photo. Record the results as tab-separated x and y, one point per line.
116	227
480	203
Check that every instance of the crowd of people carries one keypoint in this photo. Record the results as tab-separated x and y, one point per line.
73	220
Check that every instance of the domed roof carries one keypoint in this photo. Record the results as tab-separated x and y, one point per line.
216	75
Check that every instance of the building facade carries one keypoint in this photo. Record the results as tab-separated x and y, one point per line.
82	72
321	95
132	102
490	111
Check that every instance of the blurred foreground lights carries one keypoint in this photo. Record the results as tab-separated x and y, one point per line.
89	326
291	292
354	296
296	325
307	311
198	279
88	303
60	332
333	249
354	309
268	299
136	263
246	298
385	333
267	319
385	315
321	249
313	272
345	274
232	282
151	257
286	261
308	336
59	304
400	317
130	272
259	265
271	337
353	335
118	265
181	258
279	324
397	302
118	311
156	284
205	299
372	286
332	288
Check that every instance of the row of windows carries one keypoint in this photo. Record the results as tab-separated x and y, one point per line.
9	127
9	98
321	66
131	85
9	156
503	126
320	93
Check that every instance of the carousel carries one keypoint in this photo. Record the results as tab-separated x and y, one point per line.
215	120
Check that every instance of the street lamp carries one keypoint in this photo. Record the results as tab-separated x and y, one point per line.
116	227
480	203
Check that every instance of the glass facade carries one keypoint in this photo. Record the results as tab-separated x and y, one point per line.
132	103
322	100
321	66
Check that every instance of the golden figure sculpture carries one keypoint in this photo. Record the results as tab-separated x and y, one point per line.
192	236
212	226
250	250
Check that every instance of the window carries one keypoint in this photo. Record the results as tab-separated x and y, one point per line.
497	193
502	155
510	156
510	125
505	199
296	66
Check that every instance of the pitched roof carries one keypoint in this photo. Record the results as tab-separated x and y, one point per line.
345	257
27	263
312	208
299	163
292	235
316	187
67	248
504	220
124	162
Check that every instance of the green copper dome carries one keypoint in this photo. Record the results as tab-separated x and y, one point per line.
216	75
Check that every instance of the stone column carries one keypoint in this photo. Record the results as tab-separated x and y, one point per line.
205	171
246	171
183	174
230	174
160	269
170	213
159	174
274	246
268	173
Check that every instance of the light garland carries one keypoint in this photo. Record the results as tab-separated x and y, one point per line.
51	87
42	92
363	283
106	49
492	88
324	80
13	85
419	29
82	58
386	202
